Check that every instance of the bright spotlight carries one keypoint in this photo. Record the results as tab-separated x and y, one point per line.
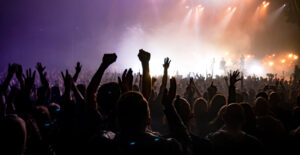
283	61
271	63
265	4
290	55
295	57
229	9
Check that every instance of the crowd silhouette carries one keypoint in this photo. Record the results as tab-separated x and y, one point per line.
139	114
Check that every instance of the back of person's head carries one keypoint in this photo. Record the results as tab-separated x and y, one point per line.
108	95
133	114
42	117
250	121
183	109
12	135
233	115
200	108
261	107
54	110
274	99
216	103
263	95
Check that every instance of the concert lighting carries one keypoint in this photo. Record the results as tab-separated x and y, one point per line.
265	4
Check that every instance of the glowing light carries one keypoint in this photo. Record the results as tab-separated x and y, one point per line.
187	7
290	55
271	63
283	61
295	57
229	9
265	4
273	55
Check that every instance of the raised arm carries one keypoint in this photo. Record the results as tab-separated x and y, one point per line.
146	78
10	74
43	75
77	69
177	127
68	83
107	60
166	66
126	81
234	78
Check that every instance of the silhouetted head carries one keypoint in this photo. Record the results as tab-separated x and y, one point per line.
133	114
261	107
263	95
233	116
13	135
108	95
212	91
216	103
200	108
42	117
274	99
250	120
183	109
54	110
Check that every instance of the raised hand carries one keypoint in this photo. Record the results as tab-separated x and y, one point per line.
67	79
169	95
40	67
167	62
108	59
126	81
29	79
91	90
234	77
144	56
19	70
78	67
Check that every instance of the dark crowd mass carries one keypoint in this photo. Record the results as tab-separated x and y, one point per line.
134	113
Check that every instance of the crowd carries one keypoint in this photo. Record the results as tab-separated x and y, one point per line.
134	113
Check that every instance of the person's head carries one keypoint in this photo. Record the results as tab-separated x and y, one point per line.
216	103
108	95
133	113
274	99
233	116
263	95
200	108
250	121
183	109
54	109
13	135
261	107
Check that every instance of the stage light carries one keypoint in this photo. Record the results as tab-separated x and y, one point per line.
290	55
265	4
271	63
295	57
283	61
229	9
